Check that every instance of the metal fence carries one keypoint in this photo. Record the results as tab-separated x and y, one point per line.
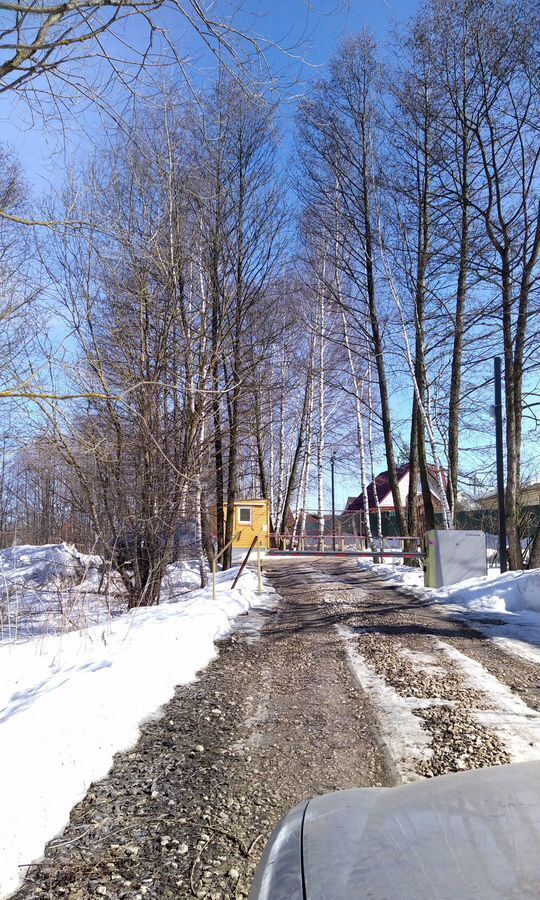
487	520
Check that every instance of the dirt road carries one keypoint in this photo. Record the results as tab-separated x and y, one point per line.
345	682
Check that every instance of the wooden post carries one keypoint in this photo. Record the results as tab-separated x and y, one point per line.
259	572
244	561
235	536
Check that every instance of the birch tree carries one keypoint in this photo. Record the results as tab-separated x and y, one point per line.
337	126
320	328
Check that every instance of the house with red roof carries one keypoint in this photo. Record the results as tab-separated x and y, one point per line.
382	486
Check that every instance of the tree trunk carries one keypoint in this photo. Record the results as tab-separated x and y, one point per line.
321	407
512	448
457	350
378	350
360	434
534	556
372	454
259	439
297	454
414	476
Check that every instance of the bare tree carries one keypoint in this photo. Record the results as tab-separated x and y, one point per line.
43	46
244	223
506	134
338	145
137	299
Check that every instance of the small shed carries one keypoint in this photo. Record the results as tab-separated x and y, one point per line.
251	519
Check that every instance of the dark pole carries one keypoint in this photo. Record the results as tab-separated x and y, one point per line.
332	463
500	462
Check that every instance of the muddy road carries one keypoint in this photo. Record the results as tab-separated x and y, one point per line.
345	681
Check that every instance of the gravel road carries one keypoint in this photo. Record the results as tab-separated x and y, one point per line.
347	681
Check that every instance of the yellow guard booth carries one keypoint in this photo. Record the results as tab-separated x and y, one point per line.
251	519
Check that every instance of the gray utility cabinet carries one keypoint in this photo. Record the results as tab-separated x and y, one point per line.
454	556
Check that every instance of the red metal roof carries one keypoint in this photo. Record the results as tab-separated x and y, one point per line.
382	483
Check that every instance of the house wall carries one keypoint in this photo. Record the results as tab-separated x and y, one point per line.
387	502
404	488
260	523
529	495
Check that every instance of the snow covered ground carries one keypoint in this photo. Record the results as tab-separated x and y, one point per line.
504	607
54	588
72	698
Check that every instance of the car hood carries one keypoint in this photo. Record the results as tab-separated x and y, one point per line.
472	834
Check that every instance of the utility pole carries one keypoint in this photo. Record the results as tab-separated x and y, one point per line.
500	462
332	464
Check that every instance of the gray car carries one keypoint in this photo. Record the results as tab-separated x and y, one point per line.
469	835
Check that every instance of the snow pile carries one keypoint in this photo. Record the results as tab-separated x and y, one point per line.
69	702
180	577
412	578
54	588
512	592
47	566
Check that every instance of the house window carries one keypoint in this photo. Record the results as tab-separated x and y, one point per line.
245	515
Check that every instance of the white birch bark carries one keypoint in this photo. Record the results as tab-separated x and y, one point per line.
204	372
281	445
358	396
271	475
201	560
370	448
425	413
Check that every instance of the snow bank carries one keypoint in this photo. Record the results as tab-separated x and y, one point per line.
69	702
180	577
47	565
54	588
511	592
396	573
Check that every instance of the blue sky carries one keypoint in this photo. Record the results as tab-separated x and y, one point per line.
309	31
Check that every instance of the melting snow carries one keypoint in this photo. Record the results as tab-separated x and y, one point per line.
407	743
506	608
70	701
515	723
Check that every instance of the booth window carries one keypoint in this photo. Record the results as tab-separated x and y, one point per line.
245	515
